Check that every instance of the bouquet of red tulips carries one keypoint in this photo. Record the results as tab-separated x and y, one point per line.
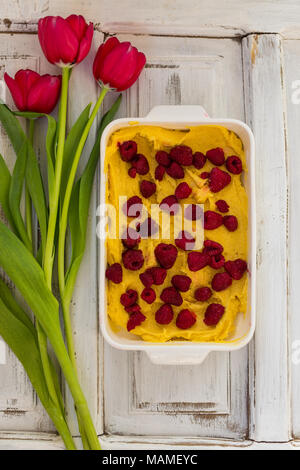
59	205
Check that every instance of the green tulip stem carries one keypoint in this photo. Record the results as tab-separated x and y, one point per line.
62	119
28	206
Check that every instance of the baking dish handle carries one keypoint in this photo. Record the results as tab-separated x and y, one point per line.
179	358
177	113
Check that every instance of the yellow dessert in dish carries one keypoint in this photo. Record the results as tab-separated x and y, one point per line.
214	173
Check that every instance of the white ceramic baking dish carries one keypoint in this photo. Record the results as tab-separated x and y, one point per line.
184	352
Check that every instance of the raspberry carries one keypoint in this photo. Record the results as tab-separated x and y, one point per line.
170	296
199	160
159	172
183	191
175	171
130	238
185	241
213	314
197	261
135	308
170	204
181	283
212	248
148	295
147	188
217	261
236	268
205	175
148	228
222	206
140	163
164	314
133	259
193	212
221	281
114	273
212	220
216	156
234	165
218	180
182	155
163	158
132	172
230	222
129	298
147	278
134	211
128	150
159	275
185	319
135	320
203	293
166	255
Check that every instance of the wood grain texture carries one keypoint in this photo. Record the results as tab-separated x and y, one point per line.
171	17
265	114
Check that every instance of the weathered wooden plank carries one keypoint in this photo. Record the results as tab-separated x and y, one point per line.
264	104
210	399
171	17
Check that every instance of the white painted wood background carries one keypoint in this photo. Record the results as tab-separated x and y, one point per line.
239	59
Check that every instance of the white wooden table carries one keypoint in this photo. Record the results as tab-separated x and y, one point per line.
239	59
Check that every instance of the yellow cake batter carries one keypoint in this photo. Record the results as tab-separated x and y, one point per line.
149	140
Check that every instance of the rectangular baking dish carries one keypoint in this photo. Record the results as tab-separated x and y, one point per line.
185	352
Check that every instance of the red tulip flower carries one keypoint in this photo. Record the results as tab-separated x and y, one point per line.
117	65
65	42
34	92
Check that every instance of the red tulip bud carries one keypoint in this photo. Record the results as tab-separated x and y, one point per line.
117	65
34	92
65	42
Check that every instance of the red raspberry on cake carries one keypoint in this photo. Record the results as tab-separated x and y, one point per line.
197	260
183	191
130	238
148	295
182	154
234	165
230	222
217	261
147	278
128	150
171	296
132	172
221	281
163	158
133	259
219	179
159	172
236	268
166	255
193	212
147	188
140	163
129	298
216	156
222	206
114	273
213	314
170	204
175	171
133	207
136	319
212	248
185	319
212	220
181	282
203	293
185	241
164	314
199	160
158	274
205	175
135	308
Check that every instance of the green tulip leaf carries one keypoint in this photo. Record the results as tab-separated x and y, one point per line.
11	303
12	127
5	182
29	114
